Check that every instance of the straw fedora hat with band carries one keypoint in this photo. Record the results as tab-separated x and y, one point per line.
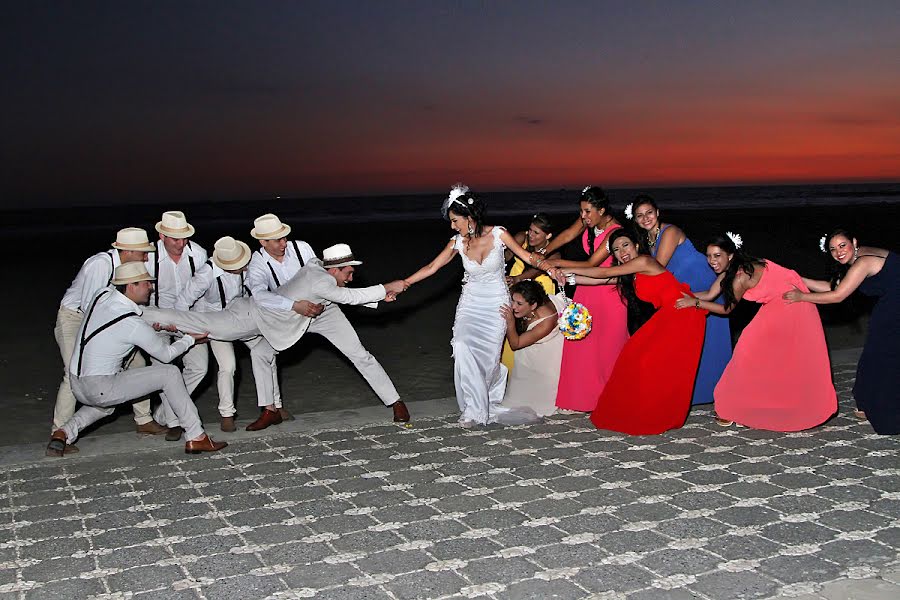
133	238
269	227
175	225
338	256
230	254
131	272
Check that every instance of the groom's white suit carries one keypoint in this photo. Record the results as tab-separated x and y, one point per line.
243	319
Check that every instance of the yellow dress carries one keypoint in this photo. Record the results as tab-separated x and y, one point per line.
549	286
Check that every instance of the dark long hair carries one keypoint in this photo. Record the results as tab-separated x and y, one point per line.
740	261
533	293
467	205
541	221
639	312
598	198
839	271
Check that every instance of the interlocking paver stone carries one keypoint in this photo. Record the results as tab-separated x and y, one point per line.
556	509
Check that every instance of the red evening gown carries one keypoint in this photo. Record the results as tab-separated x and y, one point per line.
650	388
779	377
587	363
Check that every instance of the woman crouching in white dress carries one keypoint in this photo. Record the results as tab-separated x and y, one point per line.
479	329
533	334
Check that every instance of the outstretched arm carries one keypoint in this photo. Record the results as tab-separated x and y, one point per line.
440	261
816	285
530	272
564	237
640	264
862	268
703	300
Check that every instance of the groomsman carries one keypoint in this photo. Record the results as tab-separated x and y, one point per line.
111	330
95	274
216	283
277	261
175	261
323	282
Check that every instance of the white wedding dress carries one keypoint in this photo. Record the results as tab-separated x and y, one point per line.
478	334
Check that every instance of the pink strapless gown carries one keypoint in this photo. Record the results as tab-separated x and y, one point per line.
588	363
779	377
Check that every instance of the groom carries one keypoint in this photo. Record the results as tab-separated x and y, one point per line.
321	282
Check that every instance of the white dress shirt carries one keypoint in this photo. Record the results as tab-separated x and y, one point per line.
172	277
104	353
94	275
203	294
265	274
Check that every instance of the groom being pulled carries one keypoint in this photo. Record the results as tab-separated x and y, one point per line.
318	281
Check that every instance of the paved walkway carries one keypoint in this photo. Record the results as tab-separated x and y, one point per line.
352	509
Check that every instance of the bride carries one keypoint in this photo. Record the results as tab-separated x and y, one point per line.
479	329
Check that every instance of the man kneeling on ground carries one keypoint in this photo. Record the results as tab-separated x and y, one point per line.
111	331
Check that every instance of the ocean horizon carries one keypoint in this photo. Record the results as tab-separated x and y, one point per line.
415	207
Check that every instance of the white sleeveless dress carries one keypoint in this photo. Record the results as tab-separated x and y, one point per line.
478	334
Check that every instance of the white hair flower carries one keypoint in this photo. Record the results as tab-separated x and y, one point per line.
455	192
735	238
629	211
822	241
586	188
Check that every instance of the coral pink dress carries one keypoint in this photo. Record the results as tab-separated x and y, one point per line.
650	392
779	377
588	363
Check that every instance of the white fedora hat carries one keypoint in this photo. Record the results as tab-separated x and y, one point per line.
175	225
133	238
131	272
269	227
230	254
338	256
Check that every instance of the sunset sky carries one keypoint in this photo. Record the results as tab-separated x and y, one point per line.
110	102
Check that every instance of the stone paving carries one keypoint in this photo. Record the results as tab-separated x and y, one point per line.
555	510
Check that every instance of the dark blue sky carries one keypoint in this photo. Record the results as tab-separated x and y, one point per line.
120	101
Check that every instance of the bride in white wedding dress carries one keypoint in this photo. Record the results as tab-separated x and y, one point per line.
479	329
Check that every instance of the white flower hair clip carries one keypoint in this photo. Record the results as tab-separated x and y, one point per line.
822	241
455	192
736	239
629	211
586	188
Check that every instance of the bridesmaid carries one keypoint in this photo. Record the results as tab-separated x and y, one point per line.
588	363
646	394
779	377
874	272
532	331
672	249
536	239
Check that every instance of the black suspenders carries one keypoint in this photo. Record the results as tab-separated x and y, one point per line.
86	338
272	270
112	266
158	262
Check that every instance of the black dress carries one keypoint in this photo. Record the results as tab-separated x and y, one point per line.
877	387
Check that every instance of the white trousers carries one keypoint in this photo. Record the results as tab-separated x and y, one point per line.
334	326
100	393
68	322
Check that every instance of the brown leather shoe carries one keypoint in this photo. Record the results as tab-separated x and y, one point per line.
205	444
401	414
152	428
174	434
266	419
57	445
286	415
227	424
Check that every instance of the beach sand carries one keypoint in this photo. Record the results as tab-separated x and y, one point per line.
411	337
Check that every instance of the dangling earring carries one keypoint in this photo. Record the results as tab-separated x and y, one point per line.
471	230
855	252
